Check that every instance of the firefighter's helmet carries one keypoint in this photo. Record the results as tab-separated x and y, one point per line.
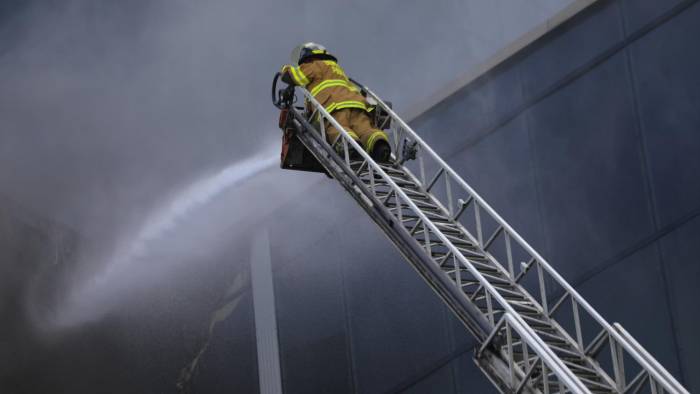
310	49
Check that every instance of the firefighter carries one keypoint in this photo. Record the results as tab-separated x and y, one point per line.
318	71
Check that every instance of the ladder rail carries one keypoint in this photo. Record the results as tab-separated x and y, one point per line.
633	342
650	366
402	198
521	376
508	272
339	168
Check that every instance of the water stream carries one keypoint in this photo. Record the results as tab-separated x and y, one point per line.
90	299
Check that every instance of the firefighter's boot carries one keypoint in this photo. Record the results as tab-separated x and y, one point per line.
381	151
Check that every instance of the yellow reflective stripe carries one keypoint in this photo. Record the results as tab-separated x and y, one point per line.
304	78
353	135
299	76
326	84
374	137
342	105
330	83
346	104
352	104
295	76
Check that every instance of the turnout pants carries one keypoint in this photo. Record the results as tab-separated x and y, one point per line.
358	124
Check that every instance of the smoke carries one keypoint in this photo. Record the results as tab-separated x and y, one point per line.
89	301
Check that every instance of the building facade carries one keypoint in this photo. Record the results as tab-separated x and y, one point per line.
587	142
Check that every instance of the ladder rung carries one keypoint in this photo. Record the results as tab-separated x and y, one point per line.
481	297
424	207
510	292
461	241
471	255
568	352
428	205
389	170
484	267
385	167
409	192
537	323
433	243
593	383
520	305
431	216
438	254
452	271
495	309
449	228
504	286
547	336
495	279
581	367
506	297
530	313
444	231
394	174
470	283
399	182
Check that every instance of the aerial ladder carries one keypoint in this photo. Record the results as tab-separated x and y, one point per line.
535	333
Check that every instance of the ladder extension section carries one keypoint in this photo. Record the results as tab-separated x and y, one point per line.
536	334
